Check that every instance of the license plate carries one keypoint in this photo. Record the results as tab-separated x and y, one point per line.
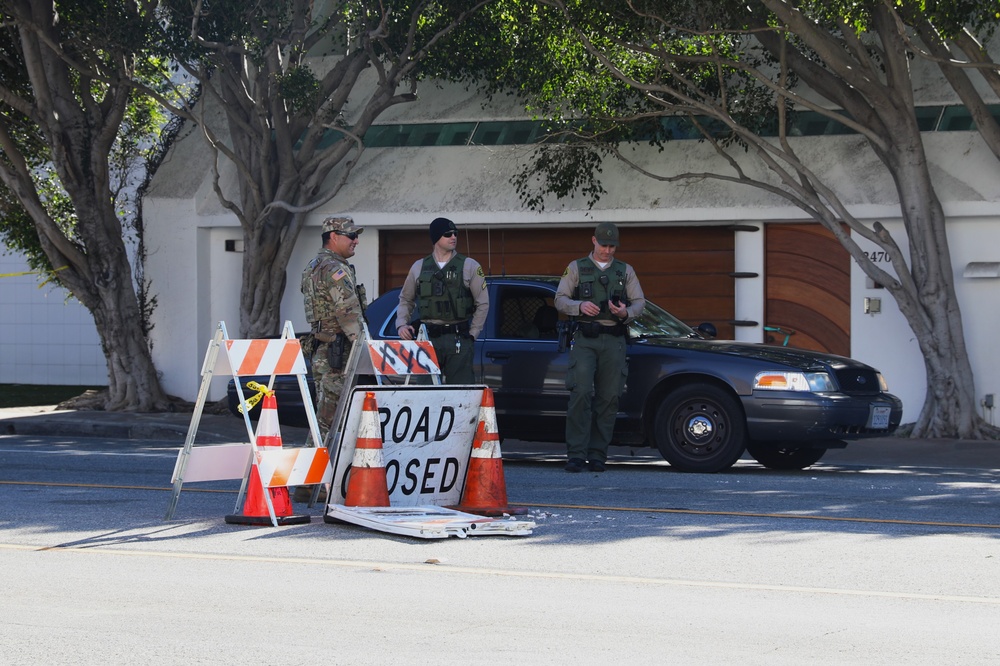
878	417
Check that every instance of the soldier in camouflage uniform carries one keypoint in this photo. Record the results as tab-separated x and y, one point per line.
335	306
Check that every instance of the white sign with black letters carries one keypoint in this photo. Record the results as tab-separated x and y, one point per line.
427	434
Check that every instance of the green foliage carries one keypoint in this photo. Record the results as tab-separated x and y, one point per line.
563	172
949	17
661	62
663	65
299	88
17	231
106	44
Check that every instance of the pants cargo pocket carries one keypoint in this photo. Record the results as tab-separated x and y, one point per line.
622	381
571	370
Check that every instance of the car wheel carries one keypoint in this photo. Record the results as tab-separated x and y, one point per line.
789	457
700	428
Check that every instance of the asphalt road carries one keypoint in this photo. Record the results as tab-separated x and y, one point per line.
842	563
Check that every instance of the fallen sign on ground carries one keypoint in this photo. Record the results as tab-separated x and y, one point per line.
427	522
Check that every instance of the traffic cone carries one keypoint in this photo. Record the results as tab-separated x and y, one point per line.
367	485
255	506
485	491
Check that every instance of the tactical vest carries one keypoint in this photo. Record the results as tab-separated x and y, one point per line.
316	299
600	286
442	291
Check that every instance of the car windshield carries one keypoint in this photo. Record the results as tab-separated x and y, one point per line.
655	322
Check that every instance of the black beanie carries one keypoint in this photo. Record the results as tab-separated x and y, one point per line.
439	226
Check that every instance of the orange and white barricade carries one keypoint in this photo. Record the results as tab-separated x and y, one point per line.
275	466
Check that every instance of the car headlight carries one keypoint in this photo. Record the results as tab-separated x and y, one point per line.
882	384
817	382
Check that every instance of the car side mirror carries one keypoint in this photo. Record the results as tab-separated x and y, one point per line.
707	330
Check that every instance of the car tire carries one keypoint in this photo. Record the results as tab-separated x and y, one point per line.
786	458
700	428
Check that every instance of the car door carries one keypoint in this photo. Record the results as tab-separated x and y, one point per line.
522	363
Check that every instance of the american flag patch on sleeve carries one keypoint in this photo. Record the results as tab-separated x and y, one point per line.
339	275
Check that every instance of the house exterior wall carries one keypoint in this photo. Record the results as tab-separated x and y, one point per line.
45	336
197	281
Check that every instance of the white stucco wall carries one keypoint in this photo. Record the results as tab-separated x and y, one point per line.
886	341
45	336
197	284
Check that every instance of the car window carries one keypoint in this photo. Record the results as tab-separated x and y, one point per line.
525	313
387	328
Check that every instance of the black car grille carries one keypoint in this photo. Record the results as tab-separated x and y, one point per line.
854	381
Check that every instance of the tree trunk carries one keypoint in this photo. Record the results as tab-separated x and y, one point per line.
929	302
106	287
80	120
925	289
264	280
133	384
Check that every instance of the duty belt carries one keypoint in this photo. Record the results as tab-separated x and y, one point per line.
459	328
591	329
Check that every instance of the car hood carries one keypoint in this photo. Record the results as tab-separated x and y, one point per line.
800	359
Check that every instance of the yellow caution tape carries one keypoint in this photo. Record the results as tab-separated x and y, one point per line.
252	401
23	273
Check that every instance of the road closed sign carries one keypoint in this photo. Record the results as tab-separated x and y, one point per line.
427	434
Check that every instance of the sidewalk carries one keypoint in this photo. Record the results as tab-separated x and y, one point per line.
217	428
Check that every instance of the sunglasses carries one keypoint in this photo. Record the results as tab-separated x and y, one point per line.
449	234
353	235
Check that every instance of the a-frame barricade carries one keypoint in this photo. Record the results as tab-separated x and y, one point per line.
278	466
381	359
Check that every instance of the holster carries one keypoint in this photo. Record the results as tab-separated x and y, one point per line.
565	333
337	350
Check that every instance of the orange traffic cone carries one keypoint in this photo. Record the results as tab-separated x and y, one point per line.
485	490
367	485
255	507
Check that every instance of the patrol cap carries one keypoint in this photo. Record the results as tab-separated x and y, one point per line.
606	234
342	223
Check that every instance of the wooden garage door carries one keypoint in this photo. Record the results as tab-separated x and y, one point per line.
683	269
808	287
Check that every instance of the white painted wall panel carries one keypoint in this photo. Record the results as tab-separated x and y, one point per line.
45	338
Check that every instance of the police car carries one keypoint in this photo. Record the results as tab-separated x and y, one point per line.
701	402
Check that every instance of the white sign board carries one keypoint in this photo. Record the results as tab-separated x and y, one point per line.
219	462
429	522
427	434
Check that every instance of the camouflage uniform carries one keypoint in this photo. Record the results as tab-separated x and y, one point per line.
334	303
